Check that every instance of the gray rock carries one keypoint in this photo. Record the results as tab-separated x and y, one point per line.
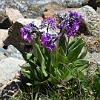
9	67
13	52
91	20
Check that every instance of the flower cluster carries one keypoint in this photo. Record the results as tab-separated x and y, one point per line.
49	41
49	22
70	23
28	31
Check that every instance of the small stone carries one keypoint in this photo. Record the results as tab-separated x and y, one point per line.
2	56
1	84
47	14
98	10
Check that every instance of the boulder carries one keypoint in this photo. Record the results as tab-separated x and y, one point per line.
13	14
3	36
9	77
91	20
9	67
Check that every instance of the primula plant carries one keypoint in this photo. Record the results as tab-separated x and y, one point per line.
56	61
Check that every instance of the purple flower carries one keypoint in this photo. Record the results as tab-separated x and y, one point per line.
49	41
70	23
49	22
27	32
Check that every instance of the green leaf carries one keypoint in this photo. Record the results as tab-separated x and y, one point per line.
38	54
25	67
62	42
27	56
81	68
73	54
58	57
36	96
96	86
28	84
40	74
69	77
27	74
62	56
83	54
74	44
64	73
54	57
80	62
71	43
35	74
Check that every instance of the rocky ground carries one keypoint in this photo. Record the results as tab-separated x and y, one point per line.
11	45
